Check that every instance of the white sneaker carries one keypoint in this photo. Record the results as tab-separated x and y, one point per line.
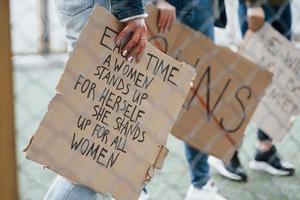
272	163
144	196
207	192
233	170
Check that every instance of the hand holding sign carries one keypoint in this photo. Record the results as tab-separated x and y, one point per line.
135	47
167	15
109	122
255	18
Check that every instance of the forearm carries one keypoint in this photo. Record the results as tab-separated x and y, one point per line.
254	3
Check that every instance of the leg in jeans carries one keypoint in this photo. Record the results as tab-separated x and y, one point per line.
198	165
63	189
73	16
198	15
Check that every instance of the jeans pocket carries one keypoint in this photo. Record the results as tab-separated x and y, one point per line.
73	7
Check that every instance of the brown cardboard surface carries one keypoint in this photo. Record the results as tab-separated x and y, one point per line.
281	104
106	128
225	91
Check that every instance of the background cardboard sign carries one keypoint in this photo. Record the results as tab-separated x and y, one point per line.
225	91
107	126
270	49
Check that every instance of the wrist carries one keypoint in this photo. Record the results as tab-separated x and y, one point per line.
136	17
256	11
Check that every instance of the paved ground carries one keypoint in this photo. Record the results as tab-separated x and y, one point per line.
35	80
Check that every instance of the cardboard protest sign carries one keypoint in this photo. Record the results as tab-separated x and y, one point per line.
274	52
225	91
107	126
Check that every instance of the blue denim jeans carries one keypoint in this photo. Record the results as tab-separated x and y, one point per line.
281	19
197	14
62	189
73	15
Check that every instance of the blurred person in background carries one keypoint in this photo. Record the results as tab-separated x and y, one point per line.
198	15
73	15
252	15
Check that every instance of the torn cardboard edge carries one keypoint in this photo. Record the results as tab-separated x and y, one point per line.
158	164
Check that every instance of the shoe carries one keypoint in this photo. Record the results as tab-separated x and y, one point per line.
271	162
207	192
144	195
233	171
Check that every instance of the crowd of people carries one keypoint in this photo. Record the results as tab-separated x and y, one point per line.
199	15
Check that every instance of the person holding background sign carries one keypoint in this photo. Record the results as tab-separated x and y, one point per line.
252	15
73	16
199	16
